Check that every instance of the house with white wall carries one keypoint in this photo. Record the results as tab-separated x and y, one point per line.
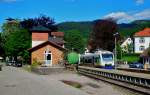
141	40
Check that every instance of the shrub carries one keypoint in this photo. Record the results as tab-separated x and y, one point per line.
131	54
35	64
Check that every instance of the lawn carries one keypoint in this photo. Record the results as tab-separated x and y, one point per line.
130	58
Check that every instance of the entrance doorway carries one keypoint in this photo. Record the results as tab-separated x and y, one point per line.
48	58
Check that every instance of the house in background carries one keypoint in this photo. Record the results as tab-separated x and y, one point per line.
47	46
126	45
141	40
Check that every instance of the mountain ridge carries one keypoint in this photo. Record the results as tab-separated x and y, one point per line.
85	27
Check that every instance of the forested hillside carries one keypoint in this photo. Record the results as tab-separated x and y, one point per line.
86	27
135	26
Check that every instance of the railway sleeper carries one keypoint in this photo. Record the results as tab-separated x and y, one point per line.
129	79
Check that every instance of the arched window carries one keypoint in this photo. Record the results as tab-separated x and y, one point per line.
142	48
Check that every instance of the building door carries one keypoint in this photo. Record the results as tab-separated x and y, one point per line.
48	58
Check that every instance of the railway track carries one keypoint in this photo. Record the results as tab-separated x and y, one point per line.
135	70
134	81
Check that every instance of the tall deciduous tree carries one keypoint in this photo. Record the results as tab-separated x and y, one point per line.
119	51
9	27
15	40
1	48
18	43
102	35
74	40
41	20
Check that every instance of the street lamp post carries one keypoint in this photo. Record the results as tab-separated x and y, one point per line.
115	55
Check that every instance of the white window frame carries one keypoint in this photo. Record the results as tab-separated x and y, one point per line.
141	40
46	52
141	48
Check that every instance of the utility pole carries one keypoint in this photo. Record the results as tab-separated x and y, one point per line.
115	55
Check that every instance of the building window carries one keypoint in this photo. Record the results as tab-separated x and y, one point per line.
142	48
142	40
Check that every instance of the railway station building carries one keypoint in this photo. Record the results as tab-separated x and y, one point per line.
47	46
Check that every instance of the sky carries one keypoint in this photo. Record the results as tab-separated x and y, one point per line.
124	11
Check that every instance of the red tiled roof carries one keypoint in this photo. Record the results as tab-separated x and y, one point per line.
58	34
143	33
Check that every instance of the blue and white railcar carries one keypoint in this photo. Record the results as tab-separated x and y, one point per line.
100	58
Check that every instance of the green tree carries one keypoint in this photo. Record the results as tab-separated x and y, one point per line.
7	29
18	43
130	48
102	35
119	51
74	40
41	20
1	48
15	39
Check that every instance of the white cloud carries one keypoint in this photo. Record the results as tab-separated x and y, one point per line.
139	2
143	15
129	16
70	0
118	15
8	1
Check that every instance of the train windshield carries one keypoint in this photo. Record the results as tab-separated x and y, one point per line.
107	57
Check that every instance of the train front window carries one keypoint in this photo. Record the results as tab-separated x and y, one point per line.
107	57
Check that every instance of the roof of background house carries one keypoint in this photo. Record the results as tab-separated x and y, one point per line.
58	34
40	28
56	40
46	43
143	33
126	42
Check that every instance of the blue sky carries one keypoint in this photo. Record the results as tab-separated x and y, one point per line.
76	10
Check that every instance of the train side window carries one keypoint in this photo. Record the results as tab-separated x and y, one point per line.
86	60
89	60
96	59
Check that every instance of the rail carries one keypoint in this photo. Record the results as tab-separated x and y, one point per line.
138	82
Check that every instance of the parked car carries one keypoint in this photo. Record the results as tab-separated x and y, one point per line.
18	64
9	63
136	65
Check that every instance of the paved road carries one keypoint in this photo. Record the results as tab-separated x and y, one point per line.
14	81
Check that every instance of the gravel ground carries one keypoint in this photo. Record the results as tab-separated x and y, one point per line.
16	81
